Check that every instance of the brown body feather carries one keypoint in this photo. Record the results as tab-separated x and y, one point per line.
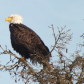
28	44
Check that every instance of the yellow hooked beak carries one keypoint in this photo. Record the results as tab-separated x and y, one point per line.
8	19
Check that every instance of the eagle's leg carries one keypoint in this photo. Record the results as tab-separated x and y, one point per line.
23	57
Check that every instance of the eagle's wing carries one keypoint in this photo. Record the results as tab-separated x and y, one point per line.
30	40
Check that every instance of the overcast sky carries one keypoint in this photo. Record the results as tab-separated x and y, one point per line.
38	15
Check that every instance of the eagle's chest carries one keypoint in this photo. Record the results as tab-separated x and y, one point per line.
13	30
13	34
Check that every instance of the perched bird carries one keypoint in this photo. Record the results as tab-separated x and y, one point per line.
26	42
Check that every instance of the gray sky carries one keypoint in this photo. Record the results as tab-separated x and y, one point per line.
38	15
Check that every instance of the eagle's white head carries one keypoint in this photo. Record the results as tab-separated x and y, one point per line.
15	19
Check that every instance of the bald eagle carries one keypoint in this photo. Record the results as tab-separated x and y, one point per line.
26	42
